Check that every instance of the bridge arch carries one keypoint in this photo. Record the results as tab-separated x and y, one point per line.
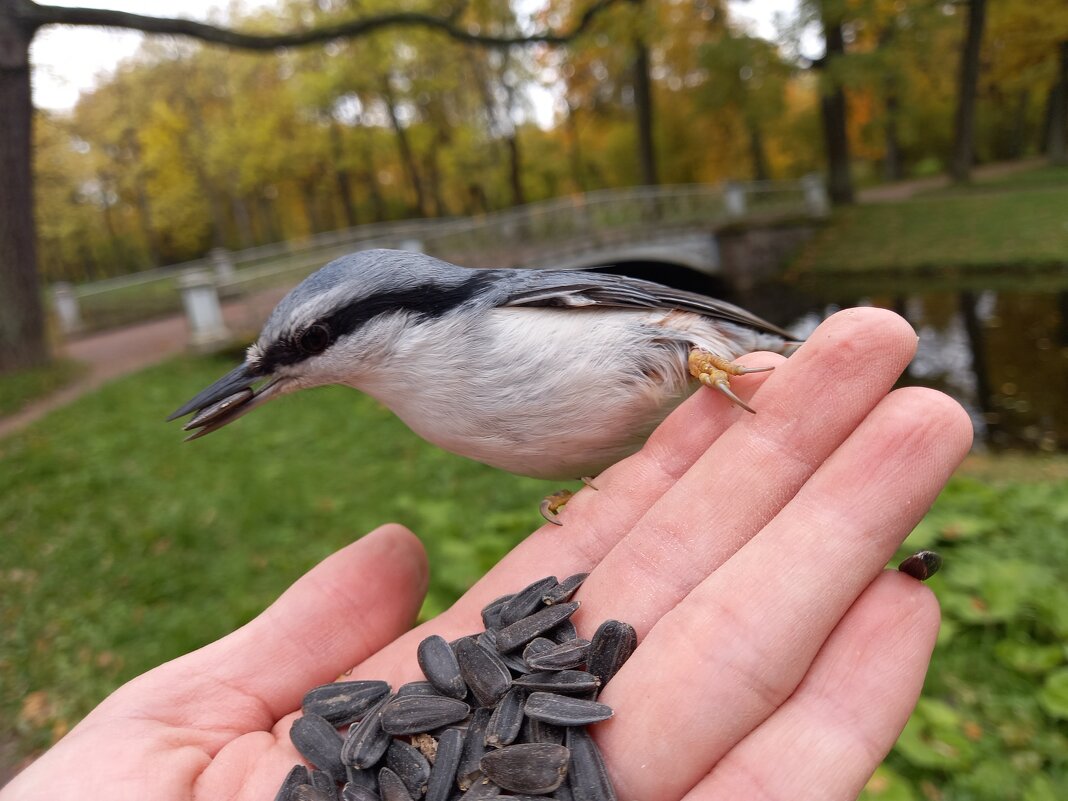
671	273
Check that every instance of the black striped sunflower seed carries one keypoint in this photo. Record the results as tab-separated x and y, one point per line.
535	768
357	792
297	776
343	702
560	681
362	777
324	781
537	731
564	590
413	714
588	778
483	671
317	741
443	772
474	747
408	763
367	741
507	719
563	710
523	631
391	787
308	792
417	688
438	663
539	645
491	612
481	789
527	601
611	646
565	632
559	657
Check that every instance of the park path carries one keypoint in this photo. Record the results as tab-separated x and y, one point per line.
112	354
115	353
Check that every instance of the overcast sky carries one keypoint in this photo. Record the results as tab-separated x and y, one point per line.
67	60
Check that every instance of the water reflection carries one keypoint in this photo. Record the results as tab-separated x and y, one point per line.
1003	354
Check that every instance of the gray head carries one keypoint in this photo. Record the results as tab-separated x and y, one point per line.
336	322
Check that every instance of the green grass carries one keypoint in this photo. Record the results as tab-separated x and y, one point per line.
992	724
17	390
1015	227
122	547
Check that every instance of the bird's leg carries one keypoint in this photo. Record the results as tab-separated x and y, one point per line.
715	372
588	481
553	504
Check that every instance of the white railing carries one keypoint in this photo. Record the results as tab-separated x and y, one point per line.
514	237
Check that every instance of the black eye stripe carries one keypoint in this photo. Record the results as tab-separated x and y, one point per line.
426	300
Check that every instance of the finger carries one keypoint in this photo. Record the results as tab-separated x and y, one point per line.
594	519
347	607
828	738
807	407
752	628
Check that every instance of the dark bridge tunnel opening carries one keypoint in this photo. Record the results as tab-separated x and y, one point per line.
677	276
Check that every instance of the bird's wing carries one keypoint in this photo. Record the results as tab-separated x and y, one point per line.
580	289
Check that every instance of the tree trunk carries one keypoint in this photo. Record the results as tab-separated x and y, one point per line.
242	219
404	146
575	149
341	178
833	113
22	330
367	155
515	172
964	128
1019	124
757	152
643	111
1057	143
893	168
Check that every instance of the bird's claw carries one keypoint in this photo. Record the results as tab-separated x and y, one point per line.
715	372
552	504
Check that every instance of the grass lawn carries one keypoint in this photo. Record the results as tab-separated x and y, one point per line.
1015	226
19	389
122	547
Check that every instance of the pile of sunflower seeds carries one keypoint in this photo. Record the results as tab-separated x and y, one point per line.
502	714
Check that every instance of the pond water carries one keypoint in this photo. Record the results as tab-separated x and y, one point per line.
1000	349
1002	353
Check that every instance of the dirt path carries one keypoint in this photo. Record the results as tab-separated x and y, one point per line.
116	353
903	190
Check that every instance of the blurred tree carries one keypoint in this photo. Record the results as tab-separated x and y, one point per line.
1029	52
960	166
831	16
749	81
22	330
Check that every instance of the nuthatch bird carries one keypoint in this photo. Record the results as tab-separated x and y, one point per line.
550	374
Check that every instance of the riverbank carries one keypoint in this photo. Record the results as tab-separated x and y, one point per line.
1004	227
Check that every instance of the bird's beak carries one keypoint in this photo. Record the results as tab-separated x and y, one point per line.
229	398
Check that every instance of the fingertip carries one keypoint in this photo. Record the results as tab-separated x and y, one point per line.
397	545
941	411
865	331
912	603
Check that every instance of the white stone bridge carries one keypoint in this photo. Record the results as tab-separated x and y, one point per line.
677	227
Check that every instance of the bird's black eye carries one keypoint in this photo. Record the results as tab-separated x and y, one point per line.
314	339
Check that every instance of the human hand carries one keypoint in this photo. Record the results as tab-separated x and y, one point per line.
776	658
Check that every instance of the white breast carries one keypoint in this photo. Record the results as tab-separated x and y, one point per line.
541	392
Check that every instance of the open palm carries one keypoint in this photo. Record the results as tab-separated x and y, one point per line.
776	660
